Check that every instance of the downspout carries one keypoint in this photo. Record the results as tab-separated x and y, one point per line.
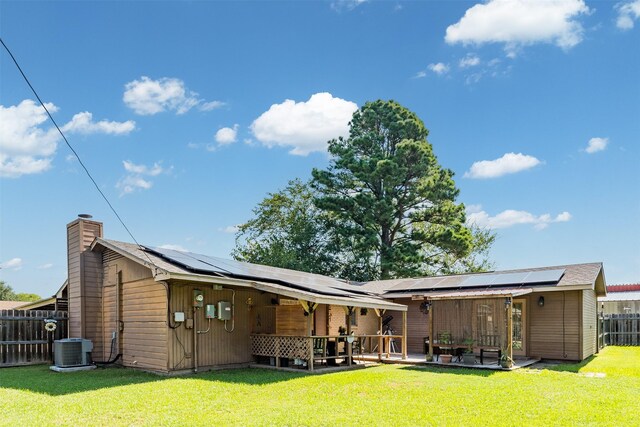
195	341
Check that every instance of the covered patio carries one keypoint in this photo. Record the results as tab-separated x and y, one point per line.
473	327
311	346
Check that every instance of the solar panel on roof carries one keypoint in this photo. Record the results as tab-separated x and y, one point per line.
545	276
509	278
208	264
480	280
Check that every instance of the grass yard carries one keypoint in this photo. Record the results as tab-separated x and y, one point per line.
575	394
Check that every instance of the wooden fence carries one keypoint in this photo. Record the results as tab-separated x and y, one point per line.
24	339
620	329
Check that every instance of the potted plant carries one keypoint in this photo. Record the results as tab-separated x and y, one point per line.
445	358
505	361
468	357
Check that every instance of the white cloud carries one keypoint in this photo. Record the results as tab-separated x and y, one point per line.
231	229
420	74
305	126
226	136
627	14
83	123
148	97
517	23
439	68
213	105
12	264
136	177
173	247
155	170
510	217
26	148
596	144
469	61
346	5
45	266
507	164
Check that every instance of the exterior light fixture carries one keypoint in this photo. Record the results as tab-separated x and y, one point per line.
425	307
541	301
507	303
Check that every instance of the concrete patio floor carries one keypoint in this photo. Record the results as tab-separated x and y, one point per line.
420	359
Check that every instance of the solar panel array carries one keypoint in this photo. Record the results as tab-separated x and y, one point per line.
220	266
479	280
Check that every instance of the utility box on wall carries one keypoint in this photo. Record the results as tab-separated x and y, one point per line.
198	298
210	311
224	310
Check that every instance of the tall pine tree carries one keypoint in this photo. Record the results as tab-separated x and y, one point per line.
388	198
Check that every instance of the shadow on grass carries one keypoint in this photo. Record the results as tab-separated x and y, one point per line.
40	379
452	371
562	366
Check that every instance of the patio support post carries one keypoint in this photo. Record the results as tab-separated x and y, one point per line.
404	335
309	308
510	329
349	310
431	337
380	313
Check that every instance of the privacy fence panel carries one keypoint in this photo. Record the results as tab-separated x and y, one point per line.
24	340
621	329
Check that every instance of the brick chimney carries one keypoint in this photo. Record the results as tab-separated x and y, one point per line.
85	276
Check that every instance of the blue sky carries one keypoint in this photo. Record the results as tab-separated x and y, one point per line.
189	113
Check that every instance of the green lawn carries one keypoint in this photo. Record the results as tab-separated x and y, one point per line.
386	395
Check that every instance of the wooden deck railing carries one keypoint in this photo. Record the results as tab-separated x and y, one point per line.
315	349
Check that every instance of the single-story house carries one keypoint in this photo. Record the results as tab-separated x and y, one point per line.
621	299
169	311
56	302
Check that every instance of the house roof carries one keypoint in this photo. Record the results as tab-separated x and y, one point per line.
186	266
170	265
10	305
627	287
574	276
621	296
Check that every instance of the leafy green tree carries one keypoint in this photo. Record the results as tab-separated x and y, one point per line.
27	297
476	261
6	292
287	231
389	201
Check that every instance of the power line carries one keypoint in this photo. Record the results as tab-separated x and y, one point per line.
75	153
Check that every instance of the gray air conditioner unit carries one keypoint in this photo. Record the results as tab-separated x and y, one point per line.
71	352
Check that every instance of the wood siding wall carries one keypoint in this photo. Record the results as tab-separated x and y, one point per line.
555	329
589	323
290	320
144	320
417	325
216	347
366	324
134	307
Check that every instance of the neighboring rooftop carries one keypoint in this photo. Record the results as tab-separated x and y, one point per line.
10	305
621	296
624	287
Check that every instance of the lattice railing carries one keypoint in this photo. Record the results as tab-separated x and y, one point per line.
290	347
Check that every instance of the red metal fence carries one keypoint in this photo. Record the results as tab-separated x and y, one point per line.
24	339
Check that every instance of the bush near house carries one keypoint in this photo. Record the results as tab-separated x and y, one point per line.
602	390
